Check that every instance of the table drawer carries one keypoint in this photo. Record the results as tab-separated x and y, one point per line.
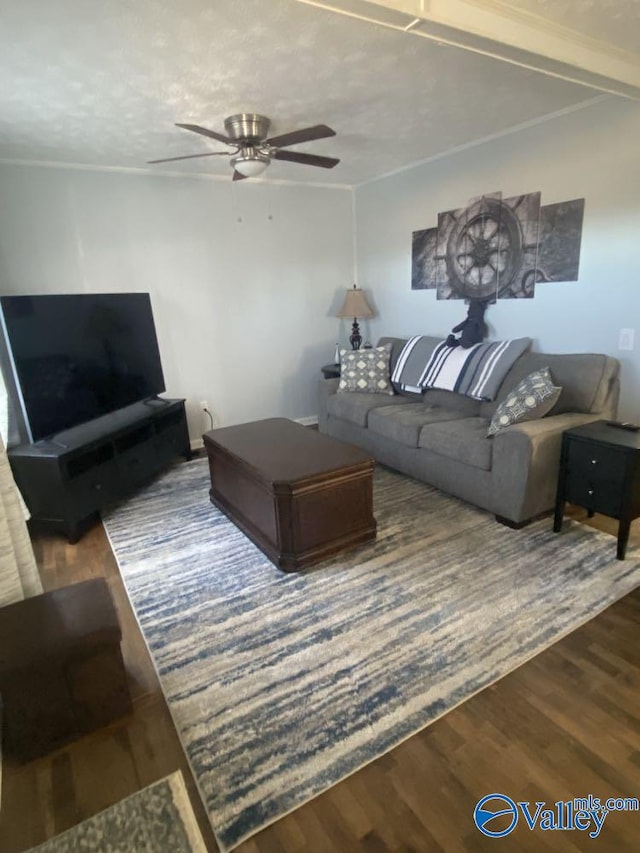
597	463
600	495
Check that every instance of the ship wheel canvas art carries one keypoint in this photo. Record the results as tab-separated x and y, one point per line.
498	248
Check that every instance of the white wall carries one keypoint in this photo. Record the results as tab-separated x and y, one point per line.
242	309
591	154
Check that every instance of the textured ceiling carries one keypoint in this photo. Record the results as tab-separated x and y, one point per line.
102	83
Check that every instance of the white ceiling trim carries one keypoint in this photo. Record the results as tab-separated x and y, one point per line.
524	125
165	173
495	29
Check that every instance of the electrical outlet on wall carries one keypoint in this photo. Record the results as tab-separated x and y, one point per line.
206	416
210	419
625	339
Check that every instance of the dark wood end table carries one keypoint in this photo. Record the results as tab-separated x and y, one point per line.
600	470
331	371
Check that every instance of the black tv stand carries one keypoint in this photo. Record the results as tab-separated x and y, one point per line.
157	402
68	479
52	440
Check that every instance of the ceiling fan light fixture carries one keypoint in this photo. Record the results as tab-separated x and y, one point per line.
250	162
253	150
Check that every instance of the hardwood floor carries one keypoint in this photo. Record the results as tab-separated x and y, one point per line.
565	724
51	794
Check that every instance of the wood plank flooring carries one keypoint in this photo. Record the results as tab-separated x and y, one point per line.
565	724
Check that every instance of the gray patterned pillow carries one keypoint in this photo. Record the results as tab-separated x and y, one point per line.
533	398
366	370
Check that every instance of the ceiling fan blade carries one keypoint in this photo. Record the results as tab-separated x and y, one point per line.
307	159
191	156
238	176
318	131
203	131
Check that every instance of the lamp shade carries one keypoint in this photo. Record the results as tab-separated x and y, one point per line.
355	305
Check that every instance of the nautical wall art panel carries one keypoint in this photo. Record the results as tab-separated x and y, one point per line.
559	244
498	248
423	259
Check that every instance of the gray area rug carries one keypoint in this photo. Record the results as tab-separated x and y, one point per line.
282	684
157	818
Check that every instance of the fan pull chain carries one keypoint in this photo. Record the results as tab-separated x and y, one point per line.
269	214
236	206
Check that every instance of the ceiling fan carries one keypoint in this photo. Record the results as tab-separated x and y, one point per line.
253	151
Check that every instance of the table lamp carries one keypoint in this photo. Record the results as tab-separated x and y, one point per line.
355	305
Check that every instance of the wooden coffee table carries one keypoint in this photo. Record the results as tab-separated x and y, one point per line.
298	494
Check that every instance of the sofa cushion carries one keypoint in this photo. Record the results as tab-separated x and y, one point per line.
397	345
403	423
410	365
464	440
356	407
477	371
366	370
466	407
533	398
586	380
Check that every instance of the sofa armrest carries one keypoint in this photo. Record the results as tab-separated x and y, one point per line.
326	387
526	460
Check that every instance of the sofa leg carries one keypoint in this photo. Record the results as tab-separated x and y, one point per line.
514	525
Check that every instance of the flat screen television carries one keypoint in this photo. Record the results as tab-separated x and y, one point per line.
77	357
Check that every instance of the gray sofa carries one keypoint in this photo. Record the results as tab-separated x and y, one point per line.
440	437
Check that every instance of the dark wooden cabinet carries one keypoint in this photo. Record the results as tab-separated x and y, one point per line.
600	470
300	495
67	480
61	668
